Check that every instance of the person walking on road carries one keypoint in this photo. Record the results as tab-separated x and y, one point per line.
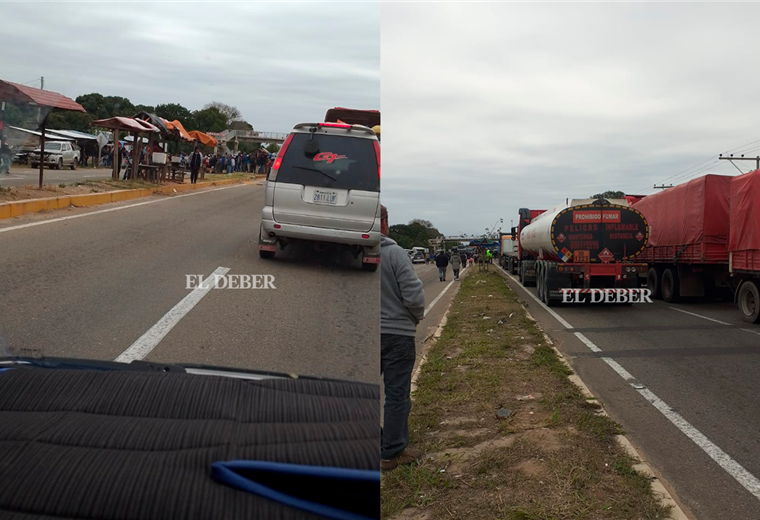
402	307
456	263
196	160
5	157
442	262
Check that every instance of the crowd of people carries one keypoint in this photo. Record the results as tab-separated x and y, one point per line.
255	162
482	256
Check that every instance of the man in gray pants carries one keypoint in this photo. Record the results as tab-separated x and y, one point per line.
402	307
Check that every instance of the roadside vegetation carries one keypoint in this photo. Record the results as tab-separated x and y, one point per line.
506	434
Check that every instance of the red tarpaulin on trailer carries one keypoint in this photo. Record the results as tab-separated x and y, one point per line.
690	213
745	212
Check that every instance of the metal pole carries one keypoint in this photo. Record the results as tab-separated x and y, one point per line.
42	149
135	154
115	150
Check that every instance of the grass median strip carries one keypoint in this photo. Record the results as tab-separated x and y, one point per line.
505	432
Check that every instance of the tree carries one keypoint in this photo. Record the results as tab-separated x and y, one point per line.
208	120
273	148
145	108
172	111
415	234
609	194
230	113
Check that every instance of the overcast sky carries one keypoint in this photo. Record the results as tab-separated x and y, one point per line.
279	63
491	107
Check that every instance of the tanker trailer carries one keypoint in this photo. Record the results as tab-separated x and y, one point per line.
586	244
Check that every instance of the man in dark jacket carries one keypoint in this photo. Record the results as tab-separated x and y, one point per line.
196	159
442	262
402	307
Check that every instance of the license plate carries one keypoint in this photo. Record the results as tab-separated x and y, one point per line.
325	197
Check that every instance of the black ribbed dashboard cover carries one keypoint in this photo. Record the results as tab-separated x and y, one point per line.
116	445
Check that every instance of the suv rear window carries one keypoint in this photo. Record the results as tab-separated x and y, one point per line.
332	161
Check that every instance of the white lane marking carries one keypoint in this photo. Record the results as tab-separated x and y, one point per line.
752	331
119	208
736	470
699	316
148	341
429	307
747	480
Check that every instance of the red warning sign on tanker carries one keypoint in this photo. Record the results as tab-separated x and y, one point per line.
605	256
560	238
639	236
596	216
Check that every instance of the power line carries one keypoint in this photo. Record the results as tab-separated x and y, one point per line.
689	174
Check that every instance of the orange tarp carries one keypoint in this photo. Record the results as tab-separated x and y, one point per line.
203	138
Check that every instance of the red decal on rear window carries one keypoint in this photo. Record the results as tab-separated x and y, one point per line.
328	156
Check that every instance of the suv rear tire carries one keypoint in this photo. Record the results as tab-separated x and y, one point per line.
266	254
59	165
74	163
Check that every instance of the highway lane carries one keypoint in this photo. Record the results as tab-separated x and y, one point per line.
438	297
703	370
92	286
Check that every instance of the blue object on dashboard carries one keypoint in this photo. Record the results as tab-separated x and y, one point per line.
335	493
5	369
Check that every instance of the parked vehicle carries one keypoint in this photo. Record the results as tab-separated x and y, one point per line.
418	258
57	155
526	261
705	240
325	187
584	244
508	256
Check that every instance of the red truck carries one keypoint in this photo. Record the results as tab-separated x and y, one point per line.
583	244
705	241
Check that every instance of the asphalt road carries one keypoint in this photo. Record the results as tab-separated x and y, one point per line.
92	286
702	366
21	176
438	296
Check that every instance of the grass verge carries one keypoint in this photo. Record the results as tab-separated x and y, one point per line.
554	456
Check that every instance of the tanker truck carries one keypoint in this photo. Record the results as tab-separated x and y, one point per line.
583	244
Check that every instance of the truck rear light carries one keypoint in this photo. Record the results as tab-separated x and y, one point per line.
281	154
377	154
335	125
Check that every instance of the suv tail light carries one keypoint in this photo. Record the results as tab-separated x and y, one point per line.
377	153
335	125
281	153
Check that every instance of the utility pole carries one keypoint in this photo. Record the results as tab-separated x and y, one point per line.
741	158
39	110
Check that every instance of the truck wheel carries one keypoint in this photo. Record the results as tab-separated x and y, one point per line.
669	286
265	254
653	284
74	164
748	301
520	272
59	165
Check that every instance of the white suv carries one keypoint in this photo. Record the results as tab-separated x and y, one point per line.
325	187
57	155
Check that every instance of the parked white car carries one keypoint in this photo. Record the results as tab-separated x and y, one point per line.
57	155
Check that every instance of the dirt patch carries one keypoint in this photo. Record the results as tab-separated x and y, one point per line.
506	434
30	191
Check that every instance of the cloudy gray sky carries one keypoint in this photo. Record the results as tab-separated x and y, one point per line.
279	63
491	107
